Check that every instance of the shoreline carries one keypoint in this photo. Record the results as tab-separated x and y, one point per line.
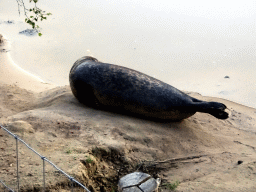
13	74
188	58
56	125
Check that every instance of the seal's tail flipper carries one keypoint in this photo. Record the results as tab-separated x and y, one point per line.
214	108
220	114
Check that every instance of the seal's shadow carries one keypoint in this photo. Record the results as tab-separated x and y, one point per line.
115	111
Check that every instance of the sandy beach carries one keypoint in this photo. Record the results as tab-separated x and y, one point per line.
201	152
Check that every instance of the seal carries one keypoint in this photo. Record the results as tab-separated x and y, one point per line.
123	90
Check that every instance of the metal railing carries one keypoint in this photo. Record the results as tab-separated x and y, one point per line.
43	159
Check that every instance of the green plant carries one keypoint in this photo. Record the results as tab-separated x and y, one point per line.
68	151
88	160
113	189
171	186
36	14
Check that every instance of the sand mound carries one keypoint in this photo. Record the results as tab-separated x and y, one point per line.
99	147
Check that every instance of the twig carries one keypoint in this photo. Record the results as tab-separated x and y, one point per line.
138	185
178	159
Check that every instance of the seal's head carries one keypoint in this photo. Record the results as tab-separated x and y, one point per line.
82	60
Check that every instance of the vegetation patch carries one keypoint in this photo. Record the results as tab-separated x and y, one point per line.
171	186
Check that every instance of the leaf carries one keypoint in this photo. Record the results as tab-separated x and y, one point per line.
33	24
40	34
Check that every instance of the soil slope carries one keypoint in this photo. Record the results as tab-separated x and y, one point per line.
98	147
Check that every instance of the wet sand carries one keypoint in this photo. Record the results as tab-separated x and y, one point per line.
12	74
190	46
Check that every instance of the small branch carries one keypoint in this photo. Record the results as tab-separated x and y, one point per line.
157	164
25	10
178	159
33	19
18	6
138	185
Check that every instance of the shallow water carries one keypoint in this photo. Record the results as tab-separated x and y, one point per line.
191	46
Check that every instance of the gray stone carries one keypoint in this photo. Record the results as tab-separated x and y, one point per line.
29	32
133	182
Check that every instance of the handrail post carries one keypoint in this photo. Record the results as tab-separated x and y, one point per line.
71	179
43	172
17	158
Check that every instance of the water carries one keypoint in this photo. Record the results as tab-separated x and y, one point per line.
190	45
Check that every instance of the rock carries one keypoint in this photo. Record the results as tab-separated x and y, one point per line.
239	162
21	127
52	134
1	39
226	77
9	22
137	182
28	32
